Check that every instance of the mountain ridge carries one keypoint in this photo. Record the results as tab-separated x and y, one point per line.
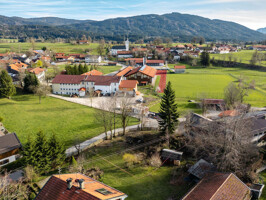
174	25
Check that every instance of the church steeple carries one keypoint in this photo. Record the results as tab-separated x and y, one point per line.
127	44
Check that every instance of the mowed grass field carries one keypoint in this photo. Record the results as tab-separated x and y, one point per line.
71	122
56	47
210	82
243	56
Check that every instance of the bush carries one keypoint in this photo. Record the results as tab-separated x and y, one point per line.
1	119
155	160
130	159
94	172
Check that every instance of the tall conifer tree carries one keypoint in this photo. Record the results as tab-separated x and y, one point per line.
7	88
168	112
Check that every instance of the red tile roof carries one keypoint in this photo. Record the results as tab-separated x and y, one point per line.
154	61
68	79
93	72
36	71
56	189
124	71
219	186
228	113
149	71
77	79
180	67
124	52
128	84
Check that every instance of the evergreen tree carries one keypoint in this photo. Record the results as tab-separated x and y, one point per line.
7	88
30	81
91	68
58	151
86	69
168	112
29	151
74	162
80	69
75	70
205	58
42	153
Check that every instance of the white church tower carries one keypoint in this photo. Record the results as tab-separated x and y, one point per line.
127	44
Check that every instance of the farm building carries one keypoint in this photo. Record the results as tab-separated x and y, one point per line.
180	69
129	86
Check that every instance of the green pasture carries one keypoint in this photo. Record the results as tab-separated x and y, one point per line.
71	122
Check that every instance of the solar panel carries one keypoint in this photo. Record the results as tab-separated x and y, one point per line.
103	191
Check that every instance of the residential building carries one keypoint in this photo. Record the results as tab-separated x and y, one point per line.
124	54
144	75
93	59
77	187
70	84
218	185
129	86
124	71
154	63
39	72
9	148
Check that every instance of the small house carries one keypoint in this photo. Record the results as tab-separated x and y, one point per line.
171	156
180	69
39	72
9	148
82	92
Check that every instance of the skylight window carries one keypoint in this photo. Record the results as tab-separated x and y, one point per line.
103	191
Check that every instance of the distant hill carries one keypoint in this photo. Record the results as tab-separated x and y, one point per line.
178	26
262	30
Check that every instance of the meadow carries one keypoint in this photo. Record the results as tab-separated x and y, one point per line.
71	122
139	181
55	47
243	56
210	82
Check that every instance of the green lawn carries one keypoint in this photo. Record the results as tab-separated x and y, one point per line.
210	83
263	176
243	56
142	182
71	122
56	47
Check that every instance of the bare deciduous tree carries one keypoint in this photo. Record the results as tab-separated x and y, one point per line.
41	91
227	143
125	112
12	190
234	95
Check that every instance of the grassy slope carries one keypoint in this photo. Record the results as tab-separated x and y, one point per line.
211	81
56	47
24	115
243	56
263	176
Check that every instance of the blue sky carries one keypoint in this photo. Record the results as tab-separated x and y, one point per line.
251	13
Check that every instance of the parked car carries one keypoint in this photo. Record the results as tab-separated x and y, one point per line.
140	100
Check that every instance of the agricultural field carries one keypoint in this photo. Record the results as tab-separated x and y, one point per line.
210	83
243	56
55	47
71	122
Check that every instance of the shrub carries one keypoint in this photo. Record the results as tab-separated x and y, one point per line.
130	159
155	160
94	172
1	119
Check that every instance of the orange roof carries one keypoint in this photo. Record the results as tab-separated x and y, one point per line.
180	67
36	70
218	186
124	71
180	46
124	52
149	71
56	188
82	89
228	113
93	72
14	67
154	61
128	84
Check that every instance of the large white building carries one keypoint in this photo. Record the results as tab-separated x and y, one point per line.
71	84
116	49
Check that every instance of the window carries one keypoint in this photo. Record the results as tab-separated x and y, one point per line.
103	191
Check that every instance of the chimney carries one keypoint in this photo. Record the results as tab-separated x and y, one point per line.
81	183
69	183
